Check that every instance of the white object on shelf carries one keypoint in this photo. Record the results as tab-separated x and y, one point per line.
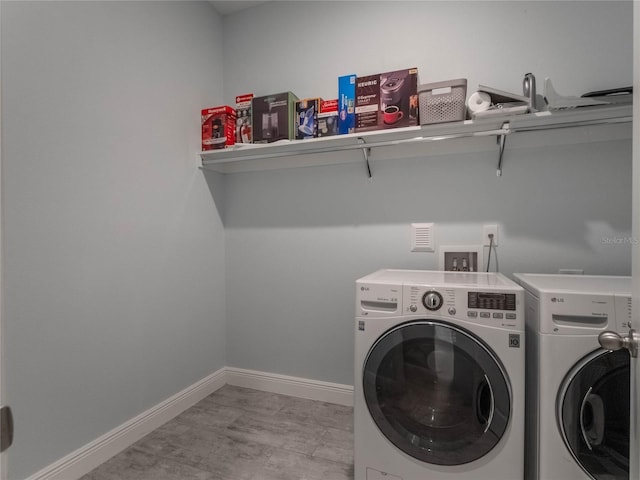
555	101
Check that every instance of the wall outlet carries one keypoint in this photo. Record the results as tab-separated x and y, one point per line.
488	230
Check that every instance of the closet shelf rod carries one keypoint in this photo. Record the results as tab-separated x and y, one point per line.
577	123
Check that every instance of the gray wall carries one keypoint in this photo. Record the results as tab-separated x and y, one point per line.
116	256
114	279
297	239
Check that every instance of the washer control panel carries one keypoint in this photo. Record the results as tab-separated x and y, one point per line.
491	301
498	308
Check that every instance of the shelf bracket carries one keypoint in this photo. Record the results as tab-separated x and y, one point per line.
366	151
501	139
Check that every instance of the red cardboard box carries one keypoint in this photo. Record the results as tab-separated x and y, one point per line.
243	118
218	127
328	118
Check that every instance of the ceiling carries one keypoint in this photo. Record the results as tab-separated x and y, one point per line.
227	7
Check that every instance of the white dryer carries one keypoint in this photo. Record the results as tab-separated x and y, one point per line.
577	425
439	376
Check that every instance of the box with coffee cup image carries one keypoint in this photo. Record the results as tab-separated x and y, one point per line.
307	118
387	100
273	117
399	98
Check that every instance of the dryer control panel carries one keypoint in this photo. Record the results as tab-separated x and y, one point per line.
570	313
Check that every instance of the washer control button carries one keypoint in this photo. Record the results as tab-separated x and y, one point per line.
511	316
432	300
452	310
472	314
413	308
497	315
485	315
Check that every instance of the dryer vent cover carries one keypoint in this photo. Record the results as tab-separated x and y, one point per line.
422	237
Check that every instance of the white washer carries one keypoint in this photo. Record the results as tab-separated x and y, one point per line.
439	376
577	425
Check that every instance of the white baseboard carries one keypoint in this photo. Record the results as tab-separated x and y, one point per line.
86	458
294	386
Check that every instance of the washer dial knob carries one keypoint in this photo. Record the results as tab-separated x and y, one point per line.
432	300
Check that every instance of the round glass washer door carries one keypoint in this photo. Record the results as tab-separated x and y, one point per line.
593	414
437	392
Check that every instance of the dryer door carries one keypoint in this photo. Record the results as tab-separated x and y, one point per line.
593	413
437	392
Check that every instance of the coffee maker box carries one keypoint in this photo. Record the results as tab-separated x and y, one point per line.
399	98
367	103
328	118
307	118
218	127
346	104
387	100
274	117
243	118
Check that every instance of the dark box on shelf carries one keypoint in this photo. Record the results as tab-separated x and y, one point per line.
218	127
367	102
387	100
273	117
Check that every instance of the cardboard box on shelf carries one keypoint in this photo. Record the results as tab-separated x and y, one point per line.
387	100
218	127
399	98
367	102
346	104
243	118
273	117
307	118
328	118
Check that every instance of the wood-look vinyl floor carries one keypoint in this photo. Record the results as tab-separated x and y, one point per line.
242	434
